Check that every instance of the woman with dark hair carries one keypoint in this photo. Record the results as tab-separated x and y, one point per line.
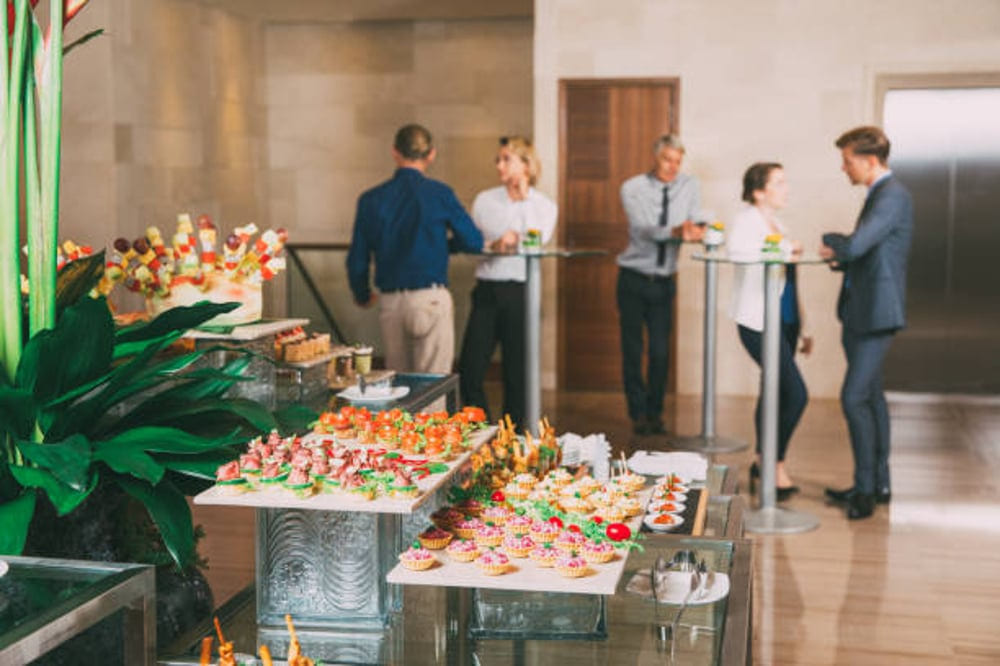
765	192
504	214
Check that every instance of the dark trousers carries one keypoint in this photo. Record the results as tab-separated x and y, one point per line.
865	408
497	316
792	395
645	302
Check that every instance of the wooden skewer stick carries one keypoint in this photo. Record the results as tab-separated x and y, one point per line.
265	656
218	630
206	651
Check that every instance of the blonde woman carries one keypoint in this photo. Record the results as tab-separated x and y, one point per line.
504	214
765	192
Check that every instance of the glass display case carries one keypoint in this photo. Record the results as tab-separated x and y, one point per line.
44	602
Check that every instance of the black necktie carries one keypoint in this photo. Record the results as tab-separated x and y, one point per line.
661	246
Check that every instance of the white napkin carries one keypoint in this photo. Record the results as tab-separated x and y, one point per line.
688	465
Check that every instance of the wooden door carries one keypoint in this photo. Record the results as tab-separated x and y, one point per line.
606	134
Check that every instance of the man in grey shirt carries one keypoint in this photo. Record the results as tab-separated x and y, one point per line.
661	206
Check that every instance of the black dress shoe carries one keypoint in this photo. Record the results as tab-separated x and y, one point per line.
844	496
860	505
754	475
786	492
840	495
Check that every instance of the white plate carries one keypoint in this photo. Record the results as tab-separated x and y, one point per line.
3	568
678	497
678	584
654	506
649	517
354	394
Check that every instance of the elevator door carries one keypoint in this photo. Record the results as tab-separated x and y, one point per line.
946	150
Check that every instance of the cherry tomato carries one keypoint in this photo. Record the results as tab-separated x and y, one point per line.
498	496
618	531
597	519
574	528
556	520
474	414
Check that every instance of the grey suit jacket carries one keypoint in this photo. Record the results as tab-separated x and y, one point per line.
873	295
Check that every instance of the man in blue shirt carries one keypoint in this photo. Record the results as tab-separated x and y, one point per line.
404	225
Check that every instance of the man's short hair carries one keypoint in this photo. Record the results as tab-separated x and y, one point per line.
413	142
668	141
866	140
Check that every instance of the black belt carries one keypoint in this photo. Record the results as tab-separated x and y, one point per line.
433	285
646	276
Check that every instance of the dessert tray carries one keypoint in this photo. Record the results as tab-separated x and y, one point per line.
523	573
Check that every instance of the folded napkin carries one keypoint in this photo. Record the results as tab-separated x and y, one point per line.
594	450
688	465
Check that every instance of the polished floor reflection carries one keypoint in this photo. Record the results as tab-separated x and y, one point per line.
918	583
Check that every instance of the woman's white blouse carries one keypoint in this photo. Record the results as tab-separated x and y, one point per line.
744	241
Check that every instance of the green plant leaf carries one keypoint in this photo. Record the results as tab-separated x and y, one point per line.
82	40
125	460
163	440
17	412
294	418
15	516
63	498
76	279
75	352
179	319
170	511
259	418
68	461
126	349
201	466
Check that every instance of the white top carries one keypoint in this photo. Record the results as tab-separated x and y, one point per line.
495	213
744	242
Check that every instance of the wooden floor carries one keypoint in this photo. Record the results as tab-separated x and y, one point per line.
918	583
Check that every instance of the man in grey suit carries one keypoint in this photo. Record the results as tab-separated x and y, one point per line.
871	309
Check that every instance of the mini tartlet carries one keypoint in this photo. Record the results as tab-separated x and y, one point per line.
417	559
572	566
466	529
498	515
545	555
570	541
489	535
598	552
435	538
493	563
463	550
519	525
518	546
544	532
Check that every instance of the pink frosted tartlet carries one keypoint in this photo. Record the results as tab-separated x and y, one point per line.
519	525
544	532
463	550
466	529
493	563
497	515
545	555
417	559
572	566
570	541
598	552
518	546
489	535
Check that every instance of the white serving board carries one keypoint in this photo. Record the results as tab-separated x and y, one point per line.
525	575
279	498
249	331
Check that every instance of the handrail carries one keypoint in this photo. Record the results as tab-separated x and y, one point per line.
292	250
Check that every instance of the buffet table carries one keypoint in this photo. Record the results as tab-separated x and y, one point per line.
44	602
437	623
